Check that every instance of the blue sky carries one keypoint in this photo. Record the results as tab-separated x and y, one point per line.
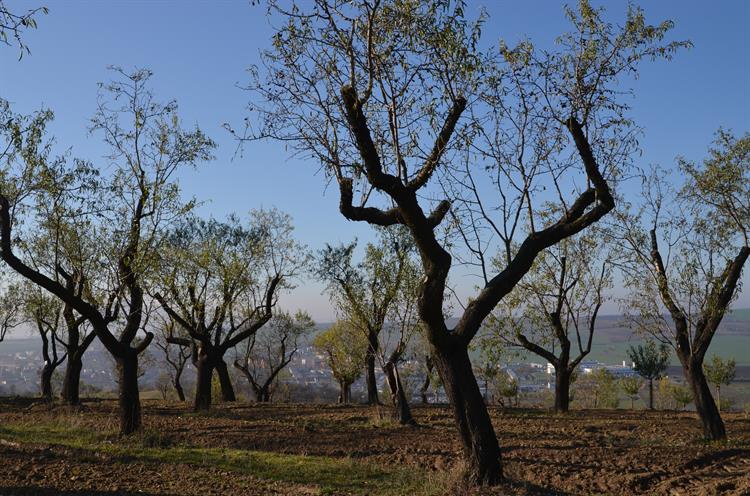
199	52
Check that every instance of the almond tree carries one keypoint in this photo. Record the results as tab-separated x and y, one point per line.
405	114
403	325
366	292
719	372
147	146
44	312
345	348
685	251
175	355
650	362
63	244
552	312
11	314
220	282
271	349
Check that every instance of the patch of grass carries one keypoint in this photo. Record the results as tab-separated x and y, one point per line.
62	431
330	475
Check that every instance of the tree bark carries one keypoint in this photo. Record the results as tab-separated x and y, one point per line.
651	394
398	396
178	389
372	384
713	425
345	394
562	389
72	381
204	374
47	371
481	448
227	390
426	385
262	393
130	403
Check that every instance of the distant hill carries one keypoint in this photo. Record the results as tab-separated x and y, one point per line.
741	314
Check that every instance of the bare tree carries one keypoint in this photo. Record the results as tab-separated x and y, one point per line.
386	95
271	349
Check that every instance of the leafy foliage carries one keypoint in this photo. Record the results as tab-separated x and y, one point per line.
649	360
344	348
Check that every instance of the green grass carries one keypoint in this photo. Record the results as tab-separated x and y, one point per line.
329	475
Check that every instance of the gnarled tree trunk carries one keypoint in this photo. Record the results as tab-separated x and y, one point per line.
130	402
72	380
46	377
426	384
398	396
480	445
204	374
262	395
562	388
178	389
713	425
227	391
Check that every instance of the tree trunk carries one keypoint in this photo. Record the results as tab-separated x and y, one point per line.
423	390
718	397
227	391
713	426
651	394
481	449
204	372
372	384
562	389
398	396
262	394
47	371
178	389
72	381
130	402
345	393
177	383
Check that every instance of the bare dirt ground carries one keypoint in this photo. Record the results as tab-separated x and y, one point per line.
615	452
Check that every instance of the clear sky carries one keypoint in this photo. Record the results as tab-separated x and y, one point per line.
200	50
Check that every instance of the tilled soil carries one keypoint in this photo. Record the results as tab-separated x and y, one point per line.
615	452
